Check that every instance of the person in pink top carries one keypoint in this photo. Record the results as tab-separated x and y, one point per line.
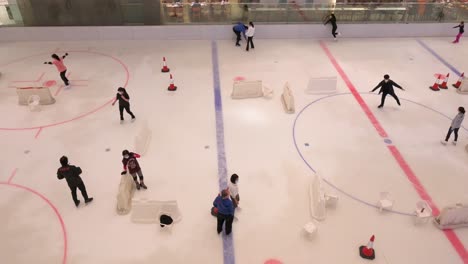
60	67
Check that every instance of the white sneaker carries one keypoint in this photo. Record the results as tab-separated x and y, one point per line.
454	143
133	120
443	142
335	39
339	33
121	121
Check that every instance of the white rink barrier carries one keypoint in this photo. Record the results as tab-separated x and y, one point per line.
24	93
463	87
319	200
148	211
322	85
125	194
143	139
451	217
287	99
247	89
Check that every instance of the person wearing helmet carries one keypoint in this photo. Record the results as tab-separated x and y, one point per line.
386	88
131	164
72	175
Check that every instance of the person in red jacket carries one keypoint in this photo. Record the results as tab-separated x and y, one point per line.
72	175
58	62
130	162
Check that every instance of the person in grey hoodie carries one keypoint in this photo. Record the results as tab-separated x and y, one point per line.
455	126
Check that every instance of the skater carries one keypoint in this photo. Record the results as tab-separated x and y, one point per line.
130	161
238	29
124	103
60	67
461	30
387	89
455	126
332	21
234	190
250	34
72	175
225	211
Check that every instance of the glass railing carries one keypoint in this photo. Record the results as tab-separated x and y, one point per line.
139	12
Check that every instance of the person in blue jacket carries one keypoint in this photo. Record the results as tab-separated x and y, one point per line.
225	211
238	29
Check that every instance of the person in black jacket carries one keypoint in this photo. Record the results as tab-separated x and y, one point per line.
124	103
72	175
386	88
461	30
332	21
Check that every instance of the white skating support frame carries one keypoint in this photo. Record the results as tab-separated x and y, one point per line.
247	89
451	217
322	85
143	139
125	194
148	211
463	87
287	99
43	92
317	199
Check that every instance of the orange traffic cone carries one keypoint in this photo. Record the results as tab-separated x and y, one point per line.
171	87
444	83
457	85
368	252
435	86
164	68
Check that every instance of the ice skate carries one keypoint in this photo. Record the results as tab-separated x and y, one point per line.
443	142
137	185
380	106
133	119
454	143
77	203
142	184
87	201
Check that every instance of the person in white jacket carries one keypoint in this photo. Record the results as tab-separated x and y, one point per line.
250	34
455	126
234	189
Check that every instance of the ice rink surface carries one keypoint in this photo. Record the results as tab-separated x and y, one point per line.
274	153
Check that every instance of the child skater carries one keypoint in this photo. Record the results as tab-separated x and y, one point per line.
234	190
250	34
60	67
387	89
461	30
455	126
124	103
332	21
130	161
72	175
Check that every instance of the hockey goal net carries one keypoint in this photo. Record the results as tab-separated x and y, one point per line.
247	89
24	93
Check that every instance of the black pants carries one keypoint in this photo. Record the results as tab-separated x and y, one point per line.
221	219
455	131
127	108
63	75
82	188
250	40
334	28
382	102
238	35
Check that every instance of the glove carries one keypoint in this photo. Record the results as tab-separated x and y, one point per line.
123	173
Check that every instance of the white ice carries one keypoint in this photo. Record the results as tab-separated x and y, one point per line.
342	145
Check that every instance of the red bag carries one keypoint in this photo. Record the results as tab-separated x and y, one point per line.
214	211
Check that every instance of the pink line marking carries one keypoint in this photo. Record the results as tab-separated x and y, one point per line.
59	89
57	213
38	132
355	93
13	174
449	234
37	80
